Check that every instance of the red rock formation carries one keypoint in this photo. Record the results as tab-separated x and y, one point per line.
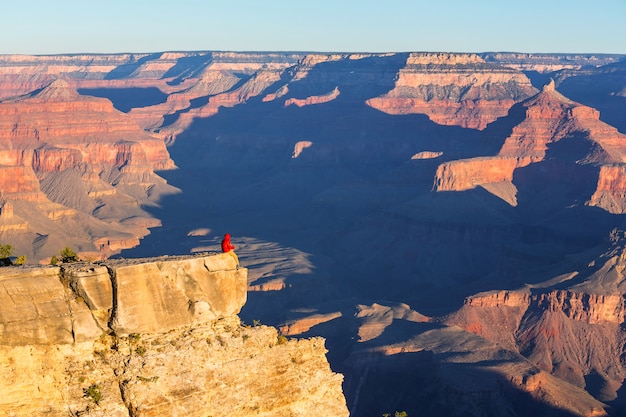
61	117
300	146
210	83
19	182
325	98
68	154
570	333
610	192
253	87
466	174
550	117
454	89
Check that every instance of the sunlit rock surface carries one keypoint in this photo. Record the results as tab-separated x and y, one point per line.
155	336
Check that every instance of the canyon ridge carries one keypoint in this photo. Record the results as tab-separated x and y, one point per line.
451	224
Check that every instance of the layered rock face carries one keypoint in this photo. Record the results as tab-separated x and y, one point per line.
454	89
546	63
150	337
549	118
576	334
66	153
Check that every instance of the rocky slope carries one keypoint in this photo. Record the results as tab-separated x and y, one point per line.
571	326
151	337
549	118
79	160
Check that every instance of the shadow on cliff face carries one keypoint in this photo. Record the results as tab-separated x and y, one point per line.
355	200
125	99
363	213
563	221
127	70
415	383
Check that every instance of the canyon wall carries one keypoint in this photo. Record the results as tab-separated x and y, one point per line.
155	336
455	89
575	333
371	194
63	152
82	135
550	117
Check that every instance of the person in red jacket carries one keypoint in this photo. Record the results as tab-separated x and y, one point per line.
228	247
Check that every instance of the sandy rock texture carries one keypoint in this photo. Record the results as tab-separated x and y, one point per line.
151	337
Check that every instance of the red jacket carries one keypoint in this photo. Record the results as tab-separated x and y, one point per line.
226	245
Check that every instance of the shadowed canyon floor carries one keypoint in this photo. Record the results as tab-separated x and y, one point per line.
331	173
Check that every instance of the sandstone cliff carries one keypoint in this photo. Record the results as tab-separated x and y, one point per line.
575	333
455	89
146	337
550	117
76	155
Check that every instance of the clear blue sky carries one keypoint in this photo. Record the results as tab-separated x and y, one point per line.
104	26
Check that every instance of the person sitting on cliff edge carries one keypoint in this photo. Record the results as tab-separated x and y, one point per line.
228	247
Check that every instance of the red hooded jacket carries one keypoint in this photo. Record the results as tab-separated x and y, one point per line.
226	245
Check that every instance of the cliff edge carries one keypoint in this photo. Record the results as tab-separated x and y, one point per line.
157	336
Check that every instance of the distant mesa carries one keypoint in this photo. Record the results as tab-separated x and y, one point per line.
300	146
427	155
312	100
454	89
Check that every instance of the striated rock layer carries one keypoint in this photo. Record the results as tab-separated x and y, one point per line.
575	333
454	89
550	117
68	158
151	337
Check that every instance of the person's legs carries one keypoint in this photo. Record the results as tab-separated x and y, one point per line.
234	255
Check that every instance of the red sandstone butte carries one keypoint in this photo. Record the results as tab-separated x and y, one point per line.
550	117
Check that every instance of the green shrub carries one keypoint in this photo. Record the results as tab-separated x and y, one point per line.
6	250
93	392
21	260
68	255
54	260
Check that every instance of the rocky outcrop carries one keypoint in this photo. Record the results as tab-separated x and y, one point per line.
62	148
155	336
576	334
610	192
321	99
549	118
300	146
454	89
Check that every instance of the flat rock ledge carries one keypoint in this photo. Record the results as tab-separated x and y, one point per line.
78	301
151	337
